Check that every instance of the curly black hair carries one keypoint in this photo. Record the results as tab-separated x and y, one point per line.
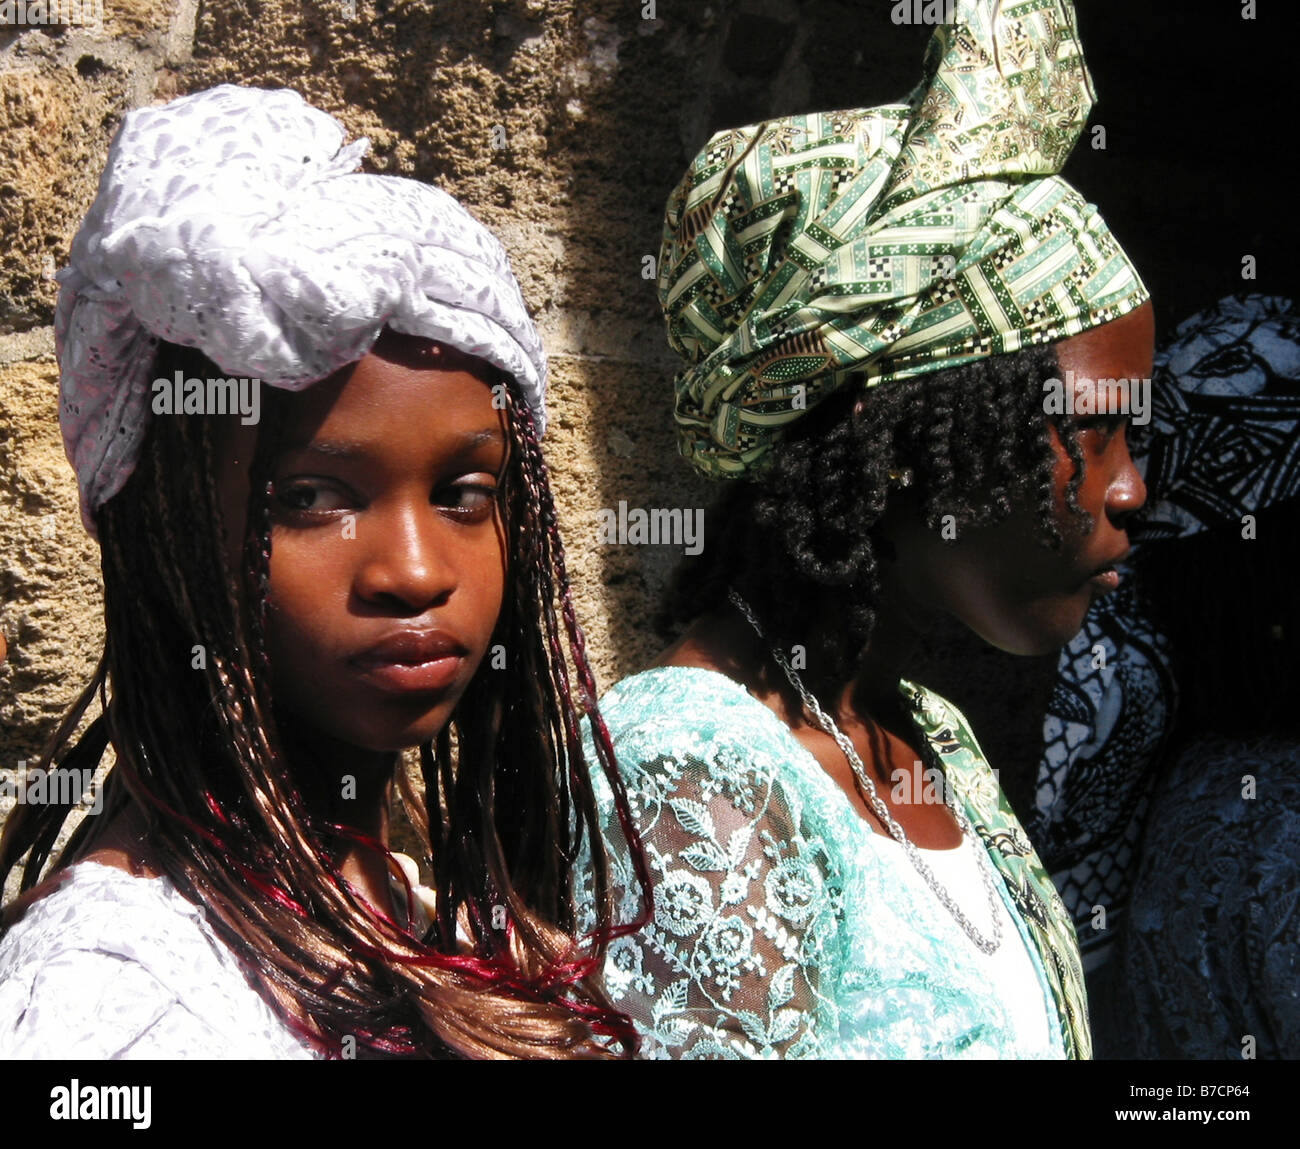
800	542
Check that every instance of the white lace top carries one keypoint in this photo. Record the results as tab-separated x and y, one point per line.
1009	969
114	966
784	926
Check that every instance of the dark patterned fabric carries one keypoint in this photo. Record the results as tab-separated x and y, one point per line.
1226	425
1224	441
1210	958
1107	720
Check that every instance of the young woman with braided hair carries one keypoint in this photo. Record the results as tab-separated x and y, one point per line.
373	565
893	322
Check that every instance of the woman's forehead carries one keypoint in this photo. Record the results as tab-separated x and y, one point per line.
1121	349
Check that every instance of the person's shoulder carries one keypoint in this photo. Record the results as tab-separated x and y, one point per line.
933	710
682	712
944	724
972	776
90	905
109	965
697	752
666	690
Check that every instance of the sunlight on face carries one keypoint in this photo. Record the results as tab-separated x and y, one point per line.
388	557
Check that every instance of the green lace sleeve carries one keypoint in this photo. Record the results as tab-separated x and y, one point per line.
747	892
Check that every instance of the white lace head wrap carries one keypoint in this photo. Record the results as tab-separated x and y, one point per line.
235	221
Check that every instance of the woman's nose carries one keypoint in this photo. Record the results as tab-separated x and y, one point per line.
1127	491
405	558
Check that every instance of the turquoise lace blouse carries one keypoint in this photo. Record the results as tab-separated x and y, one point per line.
783	925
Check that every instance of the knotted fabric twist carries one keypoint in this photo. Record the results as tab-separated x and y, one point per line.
235	221
876	244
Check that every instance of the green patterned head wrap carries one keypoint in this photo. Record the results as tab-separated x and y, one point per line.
881	243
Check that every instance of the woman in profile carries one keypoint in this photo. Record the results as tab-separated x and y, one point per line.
892	322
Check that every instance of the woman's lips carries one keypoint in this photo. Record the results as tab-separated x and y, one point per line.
1106	580
406	677
412	662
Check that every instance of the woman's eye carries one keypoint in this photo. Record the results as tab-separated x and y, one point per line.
470	500
1101	429
305	497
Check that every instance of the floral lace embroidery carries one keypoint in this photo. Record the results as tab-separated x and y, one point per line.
783	927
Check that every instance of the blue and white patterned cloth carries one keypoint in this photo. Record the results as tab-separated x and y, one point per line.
1224	442
1209	964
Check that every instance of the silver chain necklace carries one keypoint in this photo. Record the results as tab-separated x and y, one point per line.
827	724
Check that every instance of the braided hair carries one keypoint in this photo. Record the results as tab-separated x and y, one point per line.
507	795
801	542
